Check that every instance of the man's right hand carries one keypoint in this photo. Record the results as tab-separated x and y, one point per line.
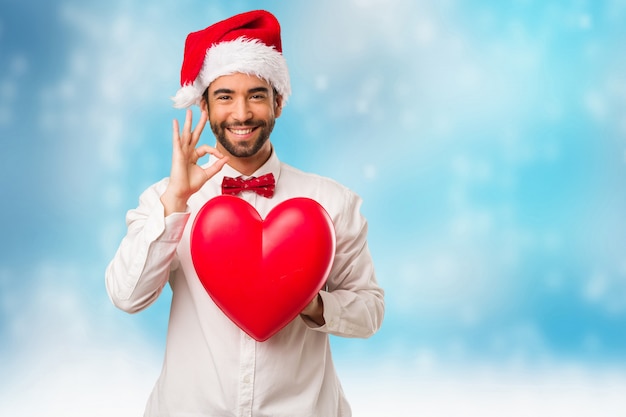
186	176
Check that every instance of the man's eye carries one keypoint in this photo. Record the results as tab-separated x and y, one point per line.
222	98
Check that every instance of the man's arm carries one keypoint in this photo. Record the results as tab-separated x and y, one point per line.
140	268
353	305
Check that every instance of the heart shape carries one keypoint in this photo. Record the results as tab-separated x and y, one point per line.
262	273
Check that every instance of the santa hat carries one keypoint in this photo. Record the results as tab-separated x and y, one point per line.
247	43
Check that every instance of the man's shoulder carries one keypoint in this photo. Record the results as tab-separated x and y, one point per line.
335	197
157	187
293	174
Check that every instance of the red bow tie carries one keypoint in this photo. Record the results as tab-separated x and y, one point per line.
263	185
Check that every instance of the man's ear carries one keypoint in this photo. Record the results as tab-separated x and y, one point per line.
278	104
204	106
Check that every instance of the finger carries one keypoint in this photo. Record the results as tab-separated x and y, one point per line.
195	136
206	149
175	130
215	167
187	126
175	136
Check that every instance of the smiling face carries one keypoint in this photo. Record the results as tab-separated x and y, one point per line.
242	111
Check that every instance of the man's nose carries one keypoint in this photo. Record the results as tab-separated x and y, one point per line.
241	111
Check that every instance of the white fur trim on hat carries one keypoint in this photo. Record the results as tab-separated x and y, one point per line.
242	55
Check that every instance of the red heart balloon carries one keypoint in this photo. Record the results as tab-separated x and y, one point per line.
262	273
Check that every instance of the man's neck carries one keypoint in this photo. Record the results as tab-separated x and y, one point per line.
249	165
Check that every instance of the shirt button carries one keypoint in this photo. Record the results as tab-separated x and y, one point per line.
246	379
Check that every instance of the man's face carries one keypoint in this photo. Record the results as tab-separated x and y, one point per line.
242	112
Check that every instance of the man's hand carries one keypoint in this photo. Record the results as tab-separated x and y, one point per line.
315	310
186	177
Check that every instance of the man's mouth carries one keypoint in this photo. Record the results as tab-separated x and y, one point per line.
241	132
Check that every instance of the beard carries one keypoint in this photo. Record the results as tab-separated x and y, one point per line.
243	150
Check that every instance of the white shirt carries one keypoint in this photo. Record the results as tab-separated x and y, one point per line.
211	367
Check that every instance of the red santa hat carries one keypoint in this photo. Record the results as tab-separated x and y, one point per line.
247	43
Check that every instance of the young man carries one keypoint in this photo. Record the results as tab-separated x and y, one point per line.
235	71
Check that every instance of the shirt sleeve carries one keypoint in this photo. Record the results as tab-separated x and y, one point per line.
353	302
141	266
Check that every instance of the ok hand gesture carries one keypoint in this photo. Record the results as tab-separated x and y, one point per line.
186	176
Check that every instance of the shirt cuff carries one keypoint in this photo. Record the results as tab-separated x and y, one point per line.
167	229
331	314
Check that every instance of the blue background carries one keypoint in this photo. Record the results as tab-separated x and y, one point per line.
487	141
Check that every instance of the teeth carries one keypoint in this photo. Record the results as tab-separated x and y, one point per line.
241	131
